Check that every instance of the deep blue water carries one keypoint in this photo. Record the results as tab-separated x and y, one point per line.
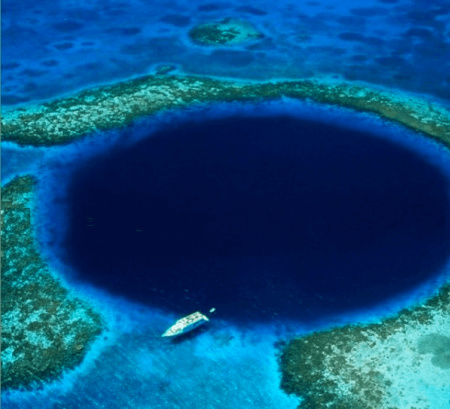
256	216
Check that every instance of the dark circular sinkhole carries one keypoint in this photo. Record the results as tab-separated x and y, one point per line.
258	217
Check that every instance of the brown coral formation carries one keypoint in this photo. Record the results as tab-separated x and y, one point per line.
45	329
65	120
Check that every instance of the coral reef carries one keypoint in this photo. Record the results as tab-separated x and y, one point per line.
45	329
226	32
64	120
382	365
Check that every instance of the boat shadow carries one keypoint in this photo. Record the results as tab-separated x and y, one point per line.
189	336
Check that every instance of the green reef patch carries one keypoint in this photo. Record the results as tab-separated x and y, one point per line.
45	329
65	120
227	32
439	346
382	365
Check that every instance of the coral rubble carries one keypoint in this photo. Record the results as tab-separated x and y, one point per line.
64	120
383	365
45	329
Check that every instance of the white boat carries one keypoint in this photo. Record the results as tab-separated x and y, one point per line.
187	323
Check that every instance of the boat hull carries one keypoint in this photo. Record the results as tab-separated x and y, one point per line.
186	324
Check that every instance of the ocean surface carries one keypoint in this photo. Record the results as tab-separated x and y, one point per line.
55	47
285	216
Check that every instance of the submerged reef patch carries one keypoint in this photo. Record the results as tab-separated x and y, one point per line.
226	32
439	346
45	329
382	365
67	119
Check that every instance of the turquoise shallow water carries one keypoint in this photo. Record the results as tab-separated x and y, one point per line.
51	49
